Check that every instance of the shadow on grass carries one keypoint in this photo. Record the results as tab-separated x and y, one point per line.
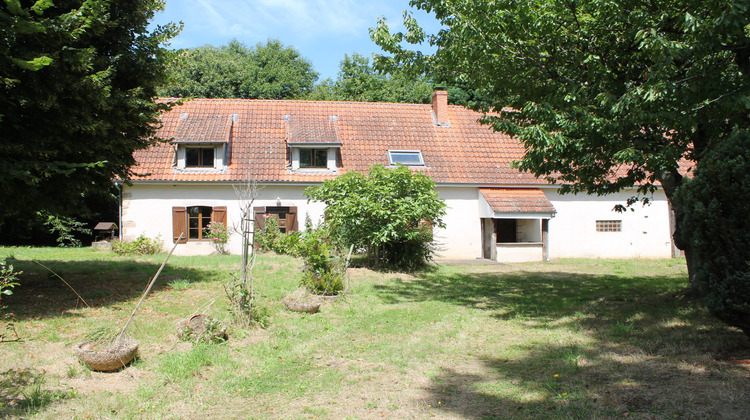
22	393
40	294
640	347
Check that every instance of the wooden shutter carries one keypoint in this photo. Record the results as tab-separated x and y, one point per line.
219	214
260	221
291	220
179	224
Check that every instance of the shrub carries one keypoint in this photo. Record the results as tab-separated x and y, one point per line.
143	245
716	227
66	229
324	268
272	239
388	212
8	281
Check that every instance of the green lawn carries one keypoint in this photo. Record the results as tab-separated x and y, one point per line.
571	338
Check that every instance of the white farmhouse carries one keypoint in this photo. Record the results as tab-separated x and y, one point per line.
494	211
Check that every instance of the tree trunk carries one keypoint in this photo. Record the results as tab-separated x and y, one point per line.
671	181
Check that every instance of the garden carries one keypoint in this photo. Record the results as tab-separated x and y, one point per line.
570	338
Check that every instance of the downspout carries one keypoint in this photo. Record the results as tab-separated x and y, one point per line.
119	210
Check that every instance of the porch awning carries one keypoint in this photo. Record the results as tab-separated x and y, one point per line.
528	202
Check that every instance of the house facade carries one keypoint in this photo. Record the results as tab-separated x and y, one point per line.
220	146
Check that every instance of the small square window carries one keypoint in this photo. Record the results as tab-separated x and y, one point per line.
313	158
199	157
405	157
609	225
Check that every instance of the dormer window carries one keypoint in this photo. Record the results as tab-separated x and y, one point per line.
405	157
313	143
199	157
202	141
313	158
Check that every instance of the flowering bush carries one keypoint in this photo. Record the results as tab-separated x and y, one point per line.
218	233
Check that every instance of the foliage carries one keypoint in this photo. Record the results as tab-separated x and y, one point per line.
604	95
358	81
65	228
717	227
77	81
266	71
325	266
388	212
8	281
210	331
245	308
271	238
143	245
218	233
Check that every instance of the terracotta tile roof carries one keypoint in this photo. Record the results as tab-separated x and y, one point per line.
465	152
517	200
203	128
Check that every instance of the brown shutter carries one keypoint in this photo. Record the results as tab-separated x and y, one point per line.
219	214
260	221
291	220
179	224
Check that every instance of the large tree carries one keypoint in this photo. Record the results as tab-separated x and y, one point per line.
605	95
358	81
77	79
266	71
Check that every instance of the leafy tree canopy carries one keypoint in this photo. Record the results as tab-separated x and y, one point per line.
267	71
358	81
77	80
388	212
604	94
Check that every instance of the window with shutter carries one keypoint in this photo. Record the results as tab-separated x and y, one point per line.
191	222
285	216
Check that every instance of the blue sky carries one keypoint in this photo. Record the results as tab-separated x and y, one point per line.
321	30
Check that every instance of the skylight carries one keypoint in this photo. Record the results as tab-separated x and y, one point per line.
405	157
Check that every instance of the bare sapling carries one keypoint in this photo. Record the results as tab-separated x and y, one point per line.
241	291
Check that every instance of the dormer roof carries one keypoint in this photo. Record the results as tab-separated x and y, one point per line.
311	130
203	128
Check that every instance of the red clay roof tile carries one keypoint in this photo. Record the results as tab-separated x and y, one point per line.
517	200
465	152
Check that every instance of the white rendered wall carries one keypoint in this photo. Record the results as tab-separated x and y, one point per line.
519	252
462	237
147	210
572	232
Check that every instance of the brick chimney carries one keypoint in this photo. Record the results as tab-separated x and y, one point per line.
440	107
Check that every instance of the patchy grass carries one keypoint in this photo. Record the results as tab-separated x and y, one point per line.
571	338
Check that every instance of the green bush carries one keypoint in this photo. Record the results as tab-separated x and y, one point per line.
324	268
143	245
389	213
272	239
408	254
716	227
